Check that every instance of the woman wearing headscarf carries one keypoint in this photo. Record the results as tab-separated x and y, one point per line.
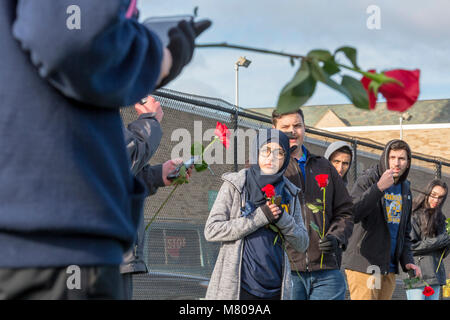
252	262
429	239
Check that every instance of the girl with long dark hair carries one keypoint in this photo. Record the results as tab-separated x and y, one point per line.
429	239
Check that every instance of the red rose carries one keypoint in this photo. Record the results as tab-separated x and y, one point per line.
428	291
223	134
269	190
399	98
322	180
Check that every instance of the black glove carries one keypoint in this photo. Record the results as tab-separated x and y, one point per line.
328	244
182	45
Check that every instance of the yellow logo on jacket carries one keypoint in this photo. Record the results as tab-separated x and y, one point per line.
285	207
393	207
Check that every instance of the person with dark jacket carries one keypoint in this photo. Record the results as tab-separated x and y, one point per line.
381	236
430	241
142	142
340	155
67	197
324	282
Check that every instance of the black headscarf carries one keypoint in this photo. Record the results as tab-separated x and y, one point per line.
256	180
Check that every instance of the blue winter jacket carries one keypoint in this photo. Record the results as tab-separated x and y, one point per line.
67	195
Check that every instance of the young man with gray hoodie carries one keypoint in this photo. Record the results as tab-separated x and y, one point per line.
340	155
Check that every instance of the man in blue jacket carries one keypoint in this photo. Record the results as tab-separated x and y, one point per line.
68	200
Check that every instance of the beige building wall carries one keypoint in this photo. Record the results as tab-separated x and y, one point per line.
432	142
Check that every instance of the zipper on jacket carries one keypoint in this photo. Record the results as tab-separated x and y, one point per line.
302	204
241	249
362	239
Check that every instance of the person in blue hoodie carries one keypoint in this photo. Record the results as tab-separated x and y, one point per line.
69	205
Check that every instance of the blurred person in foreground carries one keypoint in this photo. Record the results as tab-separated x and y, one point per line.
67	197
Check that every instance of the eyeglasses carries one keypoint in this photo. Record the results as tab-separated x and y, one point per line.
277	153
438	198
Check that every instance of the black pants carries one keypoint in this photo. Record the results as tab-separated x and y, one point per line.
95	282
127	279
245	295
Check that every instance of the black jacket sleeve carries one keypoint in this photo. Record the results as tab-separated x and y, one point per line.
152	177
424	246
407	255
366	195
142	139
341	225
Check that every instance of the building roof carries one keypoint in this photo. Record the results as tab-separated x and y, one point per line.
423	112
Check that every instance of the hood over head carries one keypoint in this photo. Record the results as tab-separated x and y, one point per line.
336	146
384	159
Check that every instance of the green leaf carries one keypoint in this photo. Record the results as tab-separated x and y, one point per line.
350	53
182	177
314	208
275	240
319	201
201	167
320	54
352	89
358	95
329	64
315	227
316	71
274	228
330	67
298	91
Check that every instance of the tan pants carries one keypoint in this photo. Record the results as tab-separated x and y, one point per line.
362	286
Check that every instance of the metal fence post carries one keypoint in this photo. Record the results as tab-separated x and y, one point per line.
235	124
355	160
439	170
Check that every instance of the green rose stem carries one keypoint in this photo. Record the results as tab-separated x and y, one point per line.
323	224
283	246
216	138
283	243
160	208
440	260
379	78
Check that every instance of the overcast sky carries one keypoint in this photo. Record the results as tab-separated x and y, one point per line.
413	34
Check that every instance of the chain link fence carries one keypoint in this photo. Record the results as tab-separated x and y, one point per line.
179	259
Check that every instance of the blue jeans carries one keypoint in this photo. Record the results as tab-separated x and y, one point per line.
416	294
318	285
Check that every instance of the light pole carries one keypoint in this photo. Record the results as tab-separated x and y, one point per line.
405	116
241	62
